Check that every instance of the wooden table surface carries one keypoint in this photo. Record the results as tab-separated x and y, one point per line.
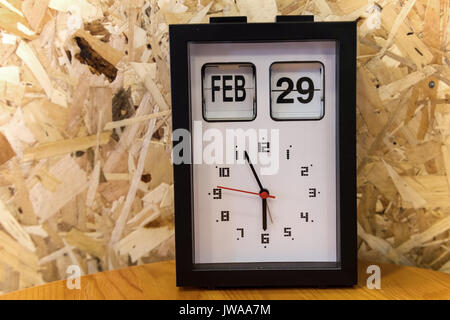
157	281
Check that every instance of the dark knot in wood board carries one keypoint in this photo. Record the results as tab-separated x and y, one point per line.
122	108
97	64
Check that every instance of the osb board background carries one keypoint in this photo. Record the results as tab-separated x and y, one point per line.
85	130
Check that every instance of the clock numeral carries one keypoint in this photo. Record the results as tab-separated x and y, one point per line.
217	193
287	232
288	152
304	171
264	147
264	238
224	172
312	192
309	90
305	216
225	215
241	230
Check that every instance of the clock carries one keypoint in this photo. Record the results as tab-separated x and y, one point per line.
264	152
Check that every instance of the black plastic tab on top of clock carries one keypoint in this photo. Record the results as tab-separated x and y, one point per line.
297	18
237	19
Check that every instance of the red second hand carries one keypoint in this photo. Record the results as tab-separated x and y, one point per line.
263	194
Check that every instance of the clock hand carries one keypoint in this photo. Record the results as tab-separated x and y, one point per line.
253	170
270	214
264	213
263	195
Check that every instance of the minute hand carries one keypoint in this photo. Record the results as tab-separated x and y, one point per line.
253	170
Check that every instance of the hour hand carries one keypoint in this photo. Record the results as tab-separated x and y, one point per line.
264	213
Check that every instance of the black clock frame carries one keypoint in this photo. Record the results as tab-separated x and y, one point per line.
274	274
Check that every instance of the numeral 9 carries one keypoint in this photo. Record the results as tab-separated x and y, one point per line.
309	90
217	193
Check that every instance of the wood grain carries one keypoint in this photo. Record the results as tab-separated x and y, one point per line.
157	281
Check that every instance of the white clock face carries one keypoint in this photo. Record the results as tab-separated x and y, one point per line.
290	214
